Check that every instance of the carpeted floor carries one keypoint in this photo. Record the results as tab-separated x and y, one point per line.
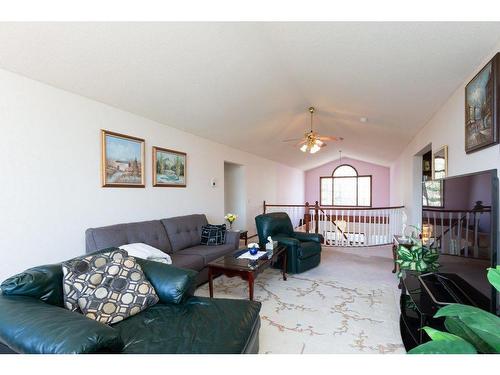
348	304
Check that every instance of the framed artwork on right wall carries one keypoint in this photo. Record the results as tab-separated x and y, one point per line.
482	123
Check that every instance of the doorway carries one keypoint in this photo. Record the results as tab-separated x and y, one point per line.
235	193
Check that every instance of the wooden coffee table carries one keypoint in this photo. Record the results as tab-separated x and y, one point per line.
231	266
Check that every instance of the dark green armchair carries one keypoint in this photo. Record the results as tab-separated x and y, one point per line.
303	249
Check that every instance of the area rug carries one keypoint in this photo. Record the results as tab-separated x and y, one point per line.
330	309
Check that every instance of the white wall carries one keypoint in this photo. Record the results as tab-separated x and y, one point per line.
235	193
446	127
50	186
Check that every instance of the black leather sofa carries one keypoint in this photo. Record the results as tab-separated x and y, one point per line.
33	319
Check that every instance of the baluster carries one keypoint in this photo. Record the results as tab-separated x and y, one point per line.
377	227
329	229
459	232
433	232
367	228
344	227
441	242
379	237
356	227
387	226
467	224
357	214
347	227
451	247
364	227
476	239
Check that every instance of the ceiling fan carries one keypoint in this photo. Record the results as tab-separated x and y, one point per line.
312	142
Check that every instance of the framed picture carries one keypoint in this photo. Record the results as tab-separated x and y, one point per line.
481	108
169	168
122	160
440	163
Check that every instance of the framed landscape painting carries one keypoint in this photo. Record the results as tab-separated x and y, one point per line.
169	168
122	160
481	108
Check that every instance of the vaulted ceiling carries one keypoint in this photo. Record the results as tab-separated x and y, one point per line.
249	85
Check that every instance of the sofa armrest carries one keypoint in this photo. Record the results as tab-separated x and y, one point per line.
305	237
28	325
172	284
287	241
233	237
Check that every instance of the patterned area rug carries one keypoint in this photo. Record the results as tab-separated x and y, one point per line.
330	309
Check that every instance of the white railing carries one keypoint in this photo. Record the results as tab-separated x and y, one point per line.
458	232
344	226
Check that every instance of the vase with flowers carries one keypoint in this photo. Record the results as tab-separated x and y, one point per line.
230	218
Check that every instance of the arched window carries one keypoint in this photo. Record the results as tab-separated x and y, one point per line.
345	187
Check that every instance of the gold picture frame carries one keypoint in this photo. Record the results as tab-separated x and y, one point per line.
169	167
122	160
440	163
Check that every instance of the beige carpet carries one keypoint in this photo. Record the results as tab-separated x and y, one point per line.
348	304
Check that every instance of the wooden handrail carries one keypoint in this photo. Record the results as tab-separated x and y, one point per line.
466	211
334	207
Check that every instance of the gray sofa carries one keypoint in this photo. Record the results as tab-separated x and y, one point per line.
177	236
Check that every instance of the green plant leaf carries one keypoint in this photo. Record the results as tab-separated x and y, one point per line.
444	347
455	326
443	343
482	323
494	277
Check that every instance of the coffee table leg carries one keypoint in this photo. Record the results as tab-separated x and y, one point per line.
210	282
283	266
250	286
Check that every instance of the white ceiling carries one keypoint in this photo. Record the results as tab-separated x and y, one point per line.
249	84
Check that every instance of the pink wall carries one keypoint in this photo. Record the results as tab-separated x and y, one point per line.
380	180
290	185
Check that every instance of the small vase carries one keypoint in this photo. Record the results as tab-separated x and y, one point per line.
230	225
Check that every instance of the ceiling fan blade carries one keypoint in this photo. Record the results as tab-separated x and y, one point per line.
292	139
303	142
330	138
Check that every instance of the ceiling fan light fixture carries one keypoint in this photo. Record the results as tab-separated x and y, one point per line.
312	141
315	148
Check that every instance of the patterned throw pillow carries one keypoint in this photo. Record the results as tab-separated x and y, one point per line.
124	291
213	235
78	275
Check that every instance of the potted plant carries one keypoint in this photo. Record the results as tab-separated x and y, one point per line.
230	218
416	256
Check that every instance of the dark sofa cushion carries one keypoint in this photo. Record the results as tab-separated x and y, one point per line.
42	282
213	235
151	233
172	284
209	253
184	231
28	325
309	249
201	325
191	261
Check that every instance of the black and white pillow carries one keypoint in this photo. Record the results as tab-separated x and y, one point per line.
124	291
213	235
78	276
